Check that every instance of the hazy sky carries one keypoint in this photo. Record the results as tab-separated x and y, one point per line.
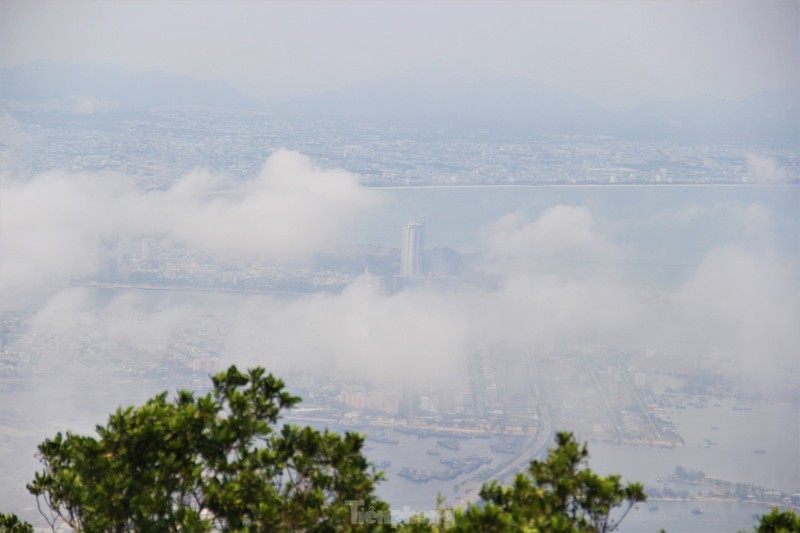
618	53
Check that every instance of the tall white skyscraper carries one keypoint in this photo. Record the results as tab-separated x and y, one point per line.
413	251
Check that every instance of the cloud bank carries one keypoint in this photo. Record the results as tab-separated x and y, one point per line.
558	279
764	170
54	227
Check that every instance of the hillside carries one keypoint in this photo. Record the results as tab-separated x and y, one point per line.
499	105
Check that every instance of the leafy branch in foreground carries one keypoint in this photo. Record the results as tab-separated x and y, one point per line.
777	521
202	463
10	523
558	494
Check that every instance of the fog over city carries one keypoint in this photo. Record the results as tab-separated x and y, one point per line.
608	194
556	271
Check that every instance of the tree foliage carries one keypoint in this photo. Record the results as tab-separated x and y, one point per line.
777	521
559	494
208	462
10	523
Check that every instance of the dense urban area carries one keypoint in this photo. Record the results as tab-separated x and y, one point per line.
159	147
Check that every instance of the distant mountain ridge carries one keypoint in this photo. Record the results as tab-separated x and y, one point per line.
462	99
498	104
44	81
771	116
442	103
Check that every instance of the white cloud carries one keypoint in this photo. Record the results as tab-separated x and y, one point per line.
562	241
764	170
741	296
415	336
745	301
53	228
560	228
290	209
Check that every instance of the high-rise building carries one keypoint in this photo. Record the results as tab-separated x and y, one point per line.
411	256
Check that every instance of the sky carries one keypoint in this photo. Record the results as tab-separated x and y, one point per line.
618	53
